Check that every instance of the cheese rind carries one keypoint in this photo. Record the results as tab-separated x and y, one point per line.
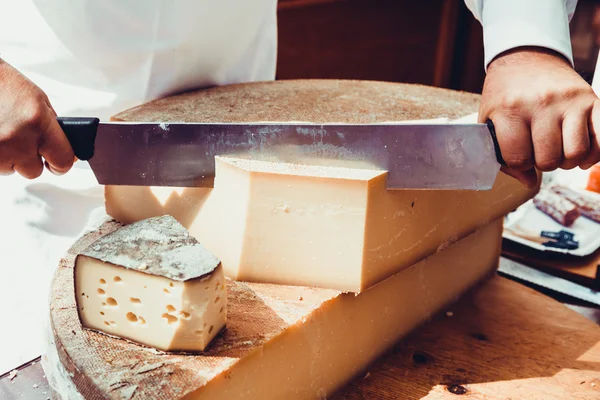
152	283
157	246
327	227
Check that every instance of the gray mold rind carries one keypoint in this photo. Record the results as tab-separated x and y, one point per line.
157	246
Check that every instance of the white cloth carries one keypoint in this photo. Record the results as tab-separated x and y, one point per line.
96	58
99	57
508	24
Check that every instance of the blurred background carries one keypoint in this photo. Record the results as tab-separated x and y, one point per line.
431	42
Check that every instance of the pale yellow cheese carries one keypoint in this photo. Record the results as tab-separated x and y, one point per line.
323	349
155	287
325	227
151	310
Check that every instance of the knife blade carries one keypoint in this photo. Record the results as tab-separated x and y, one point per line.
415	156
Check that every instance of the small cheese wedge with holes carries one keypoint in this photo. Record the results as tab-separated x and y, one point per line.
152	283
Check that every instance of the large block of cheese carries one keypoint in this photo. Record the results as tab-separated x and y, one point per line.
327	227
151	282
281	342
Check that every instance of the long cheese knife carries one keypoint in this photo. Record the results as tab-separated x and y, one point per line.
415	156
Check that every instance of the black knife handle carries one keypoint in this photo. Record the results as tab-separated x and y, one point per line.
492	130
81	132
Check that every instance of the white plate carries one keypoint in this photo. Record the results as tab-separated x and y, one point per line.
530	220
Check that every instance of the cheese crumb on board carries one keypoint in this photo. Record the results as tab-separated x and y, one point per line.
154	284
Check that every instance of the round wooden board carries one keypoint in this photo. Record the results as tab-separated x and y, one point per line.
503	340
326	101
103	366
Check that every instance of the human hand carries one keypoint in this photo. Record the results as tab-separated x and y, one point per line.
545	115
28	129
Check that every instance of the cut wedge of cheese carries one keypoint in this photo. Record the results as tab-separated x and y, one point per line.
151	282
281	342
326	227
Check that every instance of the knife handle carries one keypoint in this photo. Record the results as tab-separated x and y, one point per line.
492	130
81	133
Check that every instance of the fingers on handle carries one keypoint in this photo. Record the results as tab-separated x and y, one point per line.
7	169
576	138
528	178
514	139
30	167
515	143
593	155
546	135
56	149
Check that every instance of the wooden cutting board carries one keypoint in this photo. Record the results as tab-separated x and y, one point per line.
501	340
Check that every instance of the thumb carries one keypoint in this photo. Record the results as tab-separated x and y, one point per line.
529	178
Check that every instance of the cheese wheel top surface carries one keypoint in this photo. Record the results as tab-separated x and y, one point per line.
313	100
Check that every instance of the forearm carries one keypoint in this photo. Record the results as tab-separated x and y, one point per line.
510	24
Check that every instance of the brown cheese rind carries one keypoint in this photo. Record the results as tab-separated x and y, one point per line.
157	246
560	209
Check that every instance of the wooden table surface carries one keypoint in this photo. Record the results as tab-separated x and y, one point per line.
503	340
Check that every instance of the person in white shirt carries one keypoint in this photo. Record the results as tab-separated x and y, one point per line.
98	57
545	115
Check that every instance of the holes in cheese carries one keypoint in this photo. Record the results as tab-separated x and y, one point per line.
171	319
102	281
184	280
184	315
131	317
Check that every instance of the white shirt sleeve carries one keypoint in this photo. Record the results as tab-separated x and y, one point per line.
514	23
